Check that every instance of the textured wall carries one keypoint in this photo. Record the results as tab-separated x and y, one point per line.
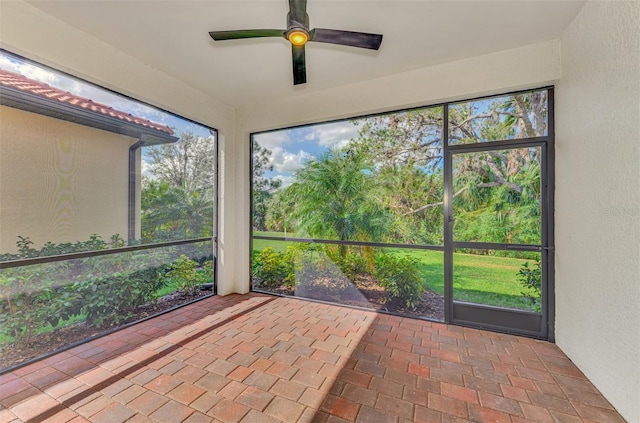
60	181
530	66
598	200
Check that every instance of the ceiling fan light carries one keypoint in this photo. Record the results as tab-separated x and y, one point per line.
298	37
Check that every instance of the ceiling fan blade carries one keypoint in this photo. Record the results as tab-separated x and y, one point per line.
246	33
346	38
298	11
299	65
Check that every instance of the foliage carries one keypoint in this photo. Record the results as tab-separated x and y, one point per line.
489	211
279	208
109	301
39	295
206	272
177	203
393	172
95	242
184	272
188	163
403	192
269	268
298	261
172	213
530	278
24	308
406	139
104	290
478	278
177	200
263	187
352	264
497	192
335	199
387	185
400	276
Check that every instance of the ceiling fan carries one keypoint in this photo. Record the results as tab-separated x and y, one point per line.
298	34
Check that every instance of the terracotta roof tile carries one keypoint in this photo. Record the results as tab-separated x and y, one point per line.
19	82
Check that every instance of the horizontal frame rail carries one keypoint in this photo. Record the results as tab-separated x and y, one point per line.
96	253
509	144
355	243
497	246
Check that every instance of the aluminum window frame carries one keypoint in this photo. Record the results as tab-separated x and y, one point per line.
87	254
547	181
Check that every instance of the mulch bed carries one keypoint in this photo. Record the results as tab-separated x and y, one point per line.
40	344
363	292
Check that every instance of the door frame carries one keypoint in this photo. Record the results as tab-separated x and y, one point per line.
520	322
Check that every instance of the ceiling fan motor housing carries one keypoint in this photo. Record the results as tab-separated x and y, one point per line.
293	23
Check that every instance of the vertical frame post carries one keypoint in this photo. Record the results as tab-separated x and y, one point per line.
448	219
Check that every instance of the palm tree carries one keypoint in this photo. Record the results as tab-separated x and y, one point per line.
170	213
334	199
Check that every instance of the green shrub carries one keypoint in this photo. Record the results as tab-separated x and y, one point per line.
269	267
206	272
104	290
400	276
184	272
351	264
111	297
112	287
293	261
31	298
530	278
21	310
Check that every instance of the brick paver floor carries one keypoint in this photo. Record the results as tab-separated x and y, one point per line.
257	358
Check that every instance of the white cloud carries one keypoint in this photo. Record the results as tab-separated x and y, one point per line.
77	87
287	162
285	179
30	71
273	140
145	169
335	134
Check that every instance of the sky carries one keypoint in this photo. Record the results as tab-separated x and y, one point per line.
292	148
88	90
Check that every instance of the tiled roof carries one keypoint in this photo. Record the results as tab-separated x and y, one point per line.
21	83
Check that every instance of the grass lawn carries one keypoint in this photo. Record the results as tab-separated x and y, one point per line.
477	278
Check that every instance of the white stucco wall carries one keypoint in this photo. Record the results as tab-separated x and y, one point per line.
598	200
60	181
531	66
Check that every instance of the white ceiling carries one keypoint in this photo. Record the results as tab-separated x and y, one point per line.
172	36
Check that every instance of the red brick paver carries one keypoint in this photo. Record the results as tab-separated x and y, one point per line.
257	358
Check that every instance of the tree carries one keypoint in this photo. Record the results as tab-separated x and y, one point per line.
406	151
334	198
172	213
510	117
189	163
178	196
402	157
263	187
278	211
499	188
498	191
411	138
